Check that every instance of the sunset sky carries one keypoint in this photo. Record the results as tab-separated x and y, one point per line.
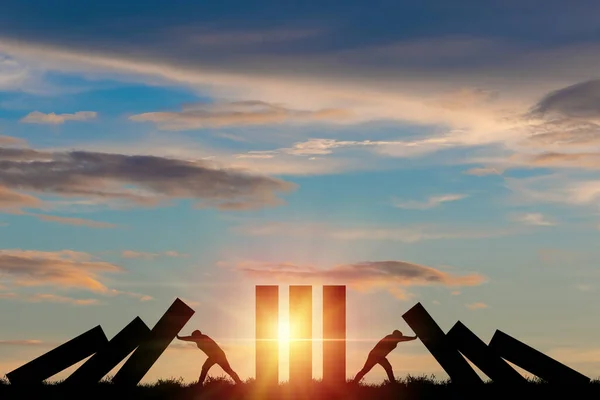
437	152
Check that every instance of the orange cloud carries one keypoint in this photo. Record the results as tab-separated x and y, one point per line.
393	276
150	256
36	117
74	221
476	306
65	269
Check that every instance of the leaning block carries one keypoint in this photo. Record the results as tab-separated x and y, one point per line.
440	347
482	356
111	354
60	358
156	342
534	361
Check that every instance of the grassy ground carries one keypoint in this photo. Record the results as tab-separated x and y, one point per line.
221	389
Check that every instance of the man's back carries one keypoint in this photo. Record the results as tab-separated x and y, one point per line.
385	346
209	346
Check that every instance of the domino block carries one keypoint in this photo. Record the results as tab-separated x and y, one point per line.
334	334
155	343
440	347
111	354
300	300
472	347
267	331
60	358
534	361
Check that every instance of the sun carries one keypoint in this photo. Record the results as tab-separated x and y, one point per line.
284	332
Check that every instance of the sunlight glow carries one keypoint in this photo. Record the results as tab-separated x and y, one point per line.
284	334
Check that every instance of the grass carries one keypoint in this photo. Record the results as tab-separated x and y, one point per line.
220	388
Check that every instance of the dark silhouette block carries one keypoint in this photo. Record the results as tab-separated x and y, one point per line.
534	361
475	349
60	358
267	332
334	334
440	347
300	335
155	343
111	354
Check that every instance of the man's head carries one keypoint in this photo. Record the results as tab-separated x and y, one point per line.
196	333
397	334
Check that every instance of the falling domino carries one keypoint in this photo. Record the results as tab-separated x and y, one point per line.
60	358
440	347
156	342
111	354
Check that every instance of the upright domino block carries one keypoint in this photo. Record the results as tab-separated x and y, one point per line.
60	358
334	334
110	354
534	361
300	300
156	342
482	356
267	331
440	347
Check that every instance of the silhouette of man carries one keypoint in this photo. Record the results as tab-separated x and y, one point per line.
380	351
215	354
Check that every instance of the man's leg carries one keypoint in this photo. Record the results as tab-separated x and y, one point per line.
223	363
207	364
370	363
388	369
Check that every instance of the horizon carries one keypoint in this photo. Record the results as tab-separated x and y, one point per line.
412	152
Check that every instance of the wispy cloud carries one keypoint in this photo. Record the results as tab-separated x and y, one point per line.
407	234
476	306
537	219
141	180
63	269
22	342
483	171
52	298
74	221
393	276
150	256
431	202
239	113
36	117
12	141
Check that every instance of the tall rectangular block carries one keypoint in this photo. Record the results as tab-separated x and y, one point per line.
60	358
534	361
334	334
111	354
301	348
267	335
159	338
475	349
440	347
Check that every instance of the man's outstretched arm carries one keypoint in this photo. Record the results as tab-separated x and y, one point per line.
408	338
185	338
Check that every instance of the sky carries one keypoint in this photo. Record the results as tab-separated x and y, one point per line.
413	151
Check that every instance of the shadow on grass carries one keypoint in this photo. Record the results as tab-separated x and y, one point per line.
221	388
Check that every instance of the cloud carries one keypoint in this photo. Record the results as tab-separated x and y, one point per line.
150	256
455	293
74	221
409	234
12	141
13	75
536	219
52	298
238	113
393	276
584	287
22	342
12	200
578	101
477	306
431	202
36	117
136	179
556	188
63	269
483	171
